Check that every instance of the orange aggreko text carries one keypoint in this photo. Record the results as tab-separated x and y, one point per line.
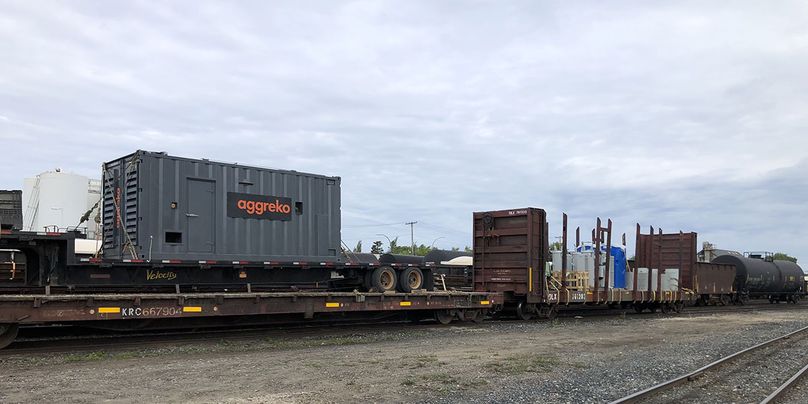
258	207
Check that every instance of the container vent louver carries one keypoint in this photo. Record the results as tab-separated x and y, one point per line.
130	201
121	174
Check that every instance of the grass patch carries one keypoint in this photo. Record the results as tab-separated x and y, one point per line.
514	365
311	342
88	357
439	382
423	361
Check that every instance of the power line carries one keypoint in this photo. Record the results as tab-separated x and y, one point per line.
373	225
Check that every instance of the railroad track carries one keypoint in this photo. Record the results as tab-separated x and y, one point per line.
785	388
735	378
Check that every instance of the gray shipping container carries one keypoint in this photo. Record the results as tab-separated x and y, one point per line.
158	206
11	209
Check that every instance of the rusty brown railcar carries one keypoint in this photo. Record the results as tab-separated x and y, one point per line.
707	282
510	253
713	280
671	250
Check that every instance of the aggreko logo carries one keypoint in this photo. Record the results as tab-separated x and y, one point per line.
259	207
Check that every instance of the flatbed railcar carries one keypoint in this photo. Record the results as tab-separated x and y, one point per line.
55	286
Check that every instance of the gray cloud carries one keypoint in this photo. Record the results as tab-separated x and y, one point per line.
687	116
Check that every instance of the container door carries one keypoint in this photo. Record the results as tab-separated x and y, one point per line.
200	215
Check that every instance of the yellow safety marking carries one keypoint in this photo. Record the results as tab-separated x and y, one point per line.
405	304
331	305
530	279
485	302
191	309
109	310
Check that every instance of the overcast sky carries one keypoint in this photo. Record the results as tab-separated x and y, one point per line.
683	115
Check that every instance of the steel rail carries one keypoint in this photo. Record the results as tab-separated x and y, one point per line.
633	398
785	386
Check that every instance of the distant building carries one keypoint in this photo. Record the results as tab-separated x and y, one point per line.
58	200
709	252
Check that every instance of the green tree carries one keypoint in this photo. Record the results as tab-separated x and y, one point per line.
784	257
377	248
399	249
358	248
420	250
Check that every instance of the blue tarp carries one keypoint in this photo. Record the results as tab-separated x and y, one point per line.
619	263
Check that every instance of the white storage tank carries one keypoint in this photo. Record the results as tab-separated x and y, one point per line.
642	279
578	262
670	279
603	271
556	260
57	200
557	263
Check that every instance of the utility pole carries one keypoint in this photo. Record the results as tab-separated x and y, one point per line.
412	235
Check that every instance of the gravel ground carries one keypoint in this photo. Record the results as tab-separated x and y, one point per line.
626	369
569	360
797	394
747	379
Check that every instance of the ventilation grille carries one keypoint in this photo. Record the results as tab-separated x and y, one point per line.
120	219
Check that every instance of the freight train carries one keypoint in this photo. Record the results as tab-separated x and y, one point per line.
188	241
759	275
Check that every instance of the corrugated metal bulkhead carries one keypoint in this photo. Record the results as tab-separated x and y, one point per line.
158	206
510	252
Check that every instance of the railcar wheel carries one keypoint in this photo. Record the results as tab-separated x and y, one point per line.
411	279
664	308
8	332
523	311
444	316
639	307
678	307
552	312
475	316
368	279
384	279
